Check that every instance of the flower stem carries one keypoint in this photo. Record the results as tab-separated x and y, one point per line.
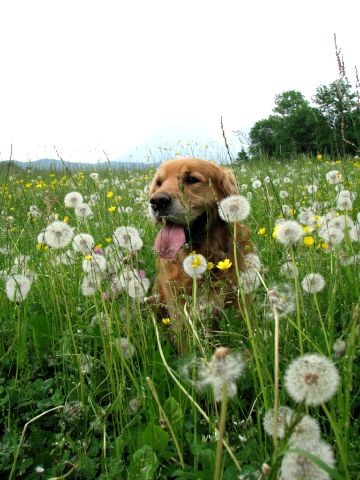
221	433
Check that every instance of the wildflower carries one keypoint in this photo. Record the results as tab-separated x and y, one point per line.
284	415
312	379
224	264
83	243
73	199
249	280
289	270
94	176
313	283
110	194
17	287
39	469
58	234
210	265
333	236
195	265
333	177
223	369
95	263
339	347
261	231
166	321
234	208
295	466
307	430
83	210
111	209
309	241
319	157
283	194
126	276
34	211
128	238
90	284
251	261
289	232
355	233
256	184
124	347
312	188
137	288
281	298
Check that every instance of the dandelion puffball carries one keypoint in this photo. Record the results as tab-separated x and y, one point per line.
312	379
58	234
234	208
289	232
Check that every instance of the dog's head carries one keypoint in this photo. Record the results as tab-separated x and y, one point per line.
183	192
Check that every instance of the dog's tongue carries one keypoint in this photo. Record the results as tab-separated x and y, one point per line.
169	240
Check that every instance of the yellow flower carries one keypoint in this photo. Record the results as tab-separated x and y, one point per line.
196	261
274	234
308	241
262	231
28	185
99	245
110	194
325	246
66	219
88	257
166	321
112	209
319	156
306	228
224	264
108	239
210	265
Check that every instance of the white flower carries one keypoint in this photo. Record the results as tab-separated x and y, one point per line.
283	421
58	234
289	270
137	288
283	194
312	188
295	466
128	238
17	287
333	236
83	243
94	176
34	211
95	264
312	379
333	177
355	233
83	210
256	184
73	199
313	283
90	285
123	345
289	232
195	265
234	208
223	369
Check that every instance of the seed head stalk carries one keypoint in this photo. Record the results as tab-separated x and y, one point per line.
221	434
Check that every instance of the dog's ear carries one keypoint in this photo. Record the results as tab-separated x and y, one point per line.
227	184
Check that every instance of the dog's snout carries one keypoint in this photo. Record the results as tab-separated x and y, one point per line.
160	202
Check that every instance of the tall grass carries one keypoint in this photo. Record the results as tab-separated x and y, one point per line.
92	388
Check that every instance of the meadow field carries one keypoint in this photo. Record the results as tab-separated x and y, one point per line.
92	388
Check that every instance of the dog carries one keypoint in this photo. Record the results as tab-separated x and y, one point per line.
184	198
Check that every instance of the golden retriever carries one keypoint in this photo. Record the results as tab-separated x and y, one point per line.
184	198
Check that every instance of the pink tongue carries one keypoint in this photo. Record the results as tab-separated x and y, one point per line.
169	240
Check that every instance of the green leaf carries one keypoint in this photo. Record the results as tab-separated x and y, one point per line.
143	464
174	414
155	437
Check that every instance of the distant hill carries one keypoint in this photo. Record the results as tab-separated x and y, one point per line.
55	164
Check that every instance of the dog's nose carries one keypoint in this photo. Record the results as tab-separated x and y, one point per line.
160	202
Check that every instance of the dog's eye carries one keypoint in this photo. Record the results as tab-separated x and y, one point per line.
158	182
190	180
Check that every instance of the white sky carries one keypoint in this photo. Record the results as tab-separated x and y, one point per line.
87	76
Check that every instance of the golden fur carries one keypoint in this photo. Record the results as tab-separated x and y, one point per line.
187	192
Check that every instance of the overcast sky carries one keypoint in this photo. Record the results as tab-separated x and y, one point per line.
87	76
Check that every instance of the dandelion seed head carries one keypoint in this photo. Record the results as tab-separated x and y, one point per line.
313	283
83	211
58	234
289	232
283	421
295	466
17	287
312	379
127	238
234	208
73	199
333	177
83	243
195	265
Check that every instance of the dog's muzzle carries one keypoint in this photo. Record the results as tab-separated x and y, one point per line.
160	204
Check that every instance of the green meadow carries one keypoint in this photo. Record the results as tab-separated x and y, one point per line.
91	387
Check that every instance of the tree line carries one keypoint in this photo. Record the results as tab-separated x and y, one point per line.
330	125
